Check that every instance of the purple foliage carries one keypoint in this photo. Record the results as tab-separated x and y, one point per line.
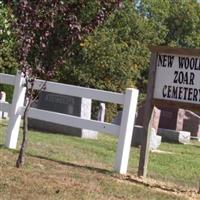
47	30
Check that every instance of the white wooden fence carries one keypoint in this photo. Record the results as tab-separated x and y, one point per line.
123	132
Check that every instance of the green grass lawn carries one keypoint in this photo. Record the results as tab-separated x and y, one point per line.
64	167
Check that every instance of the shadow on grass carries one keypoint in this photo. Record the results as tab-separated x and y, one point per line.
132	179
3	125
99	170
196	146
3	147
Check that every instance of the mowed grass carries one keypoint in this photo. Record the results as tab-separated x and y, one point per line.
64	167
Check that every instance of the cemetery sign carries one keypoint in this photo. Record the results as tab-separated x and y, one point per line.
177	76
174	81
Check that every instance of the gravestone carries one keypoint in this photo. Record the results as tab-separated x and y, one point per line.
155	119
80	107
180	120
3	115
189	121
168	115
117	119
101	112
1	101
174	136
155	140
173	119
138	131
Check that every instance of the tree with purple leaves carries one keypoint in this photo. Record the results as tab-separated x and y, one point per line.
46	32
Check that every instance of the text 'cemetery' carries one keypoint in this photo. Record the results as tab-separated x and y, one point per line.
178	78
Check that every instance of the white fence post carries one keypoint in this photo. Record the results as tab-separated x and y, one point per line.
15	118
126	130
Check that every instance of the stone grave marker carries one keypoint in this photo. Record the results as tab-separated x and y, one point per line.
3	115
80	107
101	112
138	131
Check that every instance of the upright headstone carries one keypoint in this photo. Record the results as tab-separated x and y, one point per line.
180	119
155	140
0	102
155	120
189	121
80	107
101	112
117	119
138	131
3	115
168	114
86	108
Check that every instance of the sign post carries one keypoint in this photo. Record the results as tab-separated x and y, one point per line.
144	151
174	80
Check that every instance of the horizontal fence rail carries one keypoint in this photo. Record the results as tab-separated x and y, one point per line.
71	120
7	79
70	90
78	91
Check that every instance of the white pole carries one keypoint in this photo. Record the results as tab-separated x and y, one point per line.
15	118
126	130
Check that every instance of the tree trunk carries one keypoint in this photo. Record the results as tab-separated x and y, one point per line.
21	157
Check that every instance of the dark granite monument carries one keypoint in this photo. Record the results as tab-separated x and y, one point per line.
75	106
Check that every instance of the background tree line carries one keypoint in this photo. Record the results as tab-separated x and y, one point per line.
115	55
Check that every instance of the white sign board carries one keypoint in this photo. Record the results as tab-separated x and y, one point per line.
177	78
